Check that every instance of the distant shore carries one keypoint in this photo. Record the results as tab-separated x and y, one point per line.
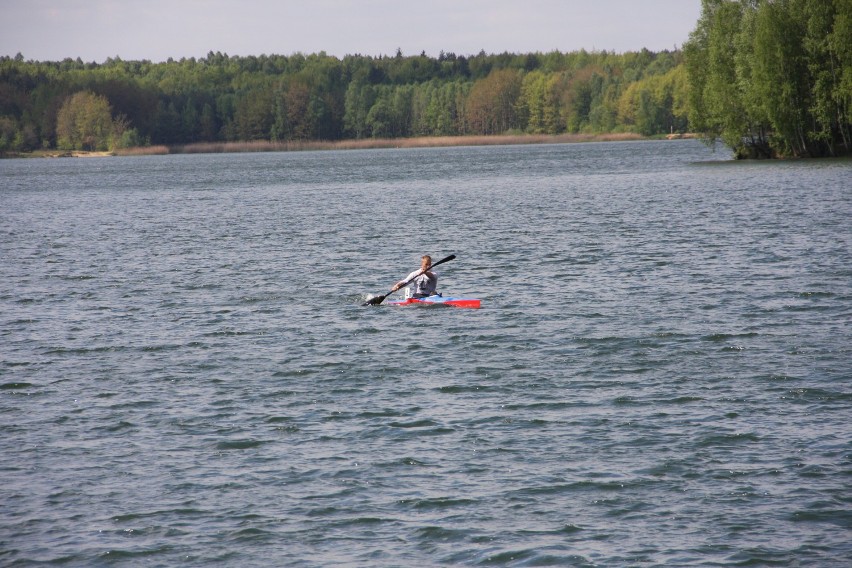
363	144
58	154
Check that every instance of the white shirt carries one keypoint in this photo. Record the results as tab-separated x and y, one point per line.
422	285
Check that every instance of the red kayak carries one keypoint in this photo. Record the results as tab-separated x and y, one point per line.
437	301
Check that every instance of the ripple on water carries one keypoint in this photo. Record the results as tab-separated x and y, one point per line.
187	375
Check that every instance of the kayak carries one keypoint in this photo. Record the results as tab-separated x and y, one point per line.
437	301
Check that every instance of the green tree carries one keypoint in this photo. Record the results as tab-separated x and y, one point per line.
85	123
828	51
717	101
766	77
191	124
130	138
603	112
359	99
380	119
492	103
577	98
167	124
254	115
208	126
657	104
532	102
779	74
8	132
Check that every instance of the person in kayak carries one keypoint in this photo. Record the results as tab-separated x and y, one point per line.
424	283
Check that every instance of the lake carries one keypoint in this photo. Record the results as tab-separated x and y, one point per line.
659	374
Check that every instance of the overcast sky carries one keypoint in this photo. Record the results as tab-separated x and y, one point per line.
51	30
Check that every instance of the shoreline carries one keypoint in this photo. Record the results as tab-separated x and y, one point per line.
58	154
363	144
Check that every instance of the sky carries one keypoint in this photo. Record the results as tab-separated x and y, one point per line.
93	30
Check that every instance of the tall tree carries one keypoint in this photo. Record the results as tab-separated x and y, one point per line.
85	123
492	102
767	76
780	75
829	56
360	97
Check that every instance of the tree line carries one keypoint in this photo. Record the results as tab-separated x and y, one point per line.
75	105
767	77
773	78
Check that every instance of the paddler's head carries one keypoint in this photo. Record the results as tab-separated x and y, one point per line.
425	262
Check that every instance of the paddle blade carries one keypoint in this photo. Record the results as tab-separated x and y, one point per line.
375	301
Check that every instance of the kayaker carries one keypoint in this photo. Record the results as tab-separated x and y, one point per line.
424	283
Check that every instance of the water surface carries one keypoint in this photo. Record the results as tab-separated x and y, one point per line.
659	374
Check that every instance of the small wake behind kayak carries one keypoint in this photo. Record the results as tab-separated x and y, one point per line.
437	301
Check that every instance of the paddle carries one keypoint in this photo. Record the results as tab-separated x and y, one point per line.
379	299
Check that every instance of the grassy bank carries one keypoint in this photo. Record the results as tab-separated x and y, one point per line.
56	154
371	143
364	144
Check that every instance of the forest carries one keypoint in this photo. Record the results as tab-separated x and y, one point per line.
773	78
767	78
72	104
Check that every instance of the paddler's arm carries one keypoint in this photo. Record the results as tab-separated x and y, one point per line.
410	277
402	282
